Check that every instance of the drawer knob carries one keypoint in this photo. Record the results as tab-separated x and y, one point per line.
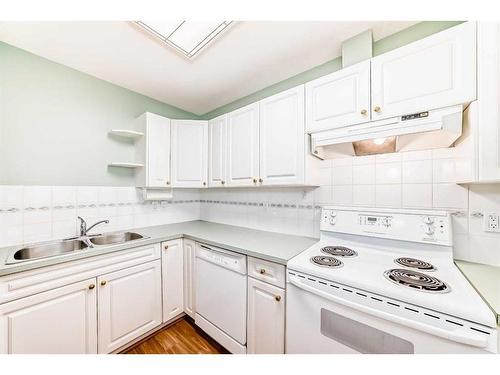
91	286
277	298
254	180
377	109
103	282
364	112
262	271
261	180
223	182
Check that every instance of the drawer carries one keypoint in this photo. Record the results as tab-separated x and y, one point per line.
269	272
27	283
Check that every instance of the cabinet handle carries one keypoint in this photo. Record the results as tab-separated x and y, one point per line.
261	180
262	271
103	282
364	112
277	298
254	180
223	182
91	286
377	109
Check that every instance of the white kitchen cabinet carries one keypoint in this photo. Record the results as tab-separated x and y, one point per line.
243	146
434	72
172	259
266	318
189	284
339	99
59	321
189	153
282	142
217	151
487	130
129	304
152	149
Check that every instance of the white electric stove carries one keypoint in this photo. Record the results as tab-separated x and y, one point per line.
384	281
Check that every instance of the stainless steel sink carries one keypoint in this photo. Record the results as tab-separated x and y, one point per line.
45	250
115	238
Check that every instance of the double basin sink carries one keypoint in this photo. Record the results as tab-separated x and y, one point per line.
52	249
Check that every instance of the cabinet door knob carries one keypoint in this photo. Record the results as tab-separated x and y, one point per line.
377	109
165	247
261	180
277	298
204	183
262	271
168	182
91	286
254	180
223	182
103	282
364	112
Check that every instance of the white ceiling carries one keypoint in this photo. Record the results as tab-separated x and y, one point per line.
251	55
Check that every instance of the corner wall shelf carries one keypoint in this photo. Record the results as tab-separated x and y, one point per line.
126	133
126	165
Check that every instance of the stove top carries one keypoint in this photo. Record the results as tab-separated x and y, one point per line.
365	259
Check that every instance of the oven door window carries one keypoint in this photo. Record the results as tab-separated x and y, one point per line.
361	337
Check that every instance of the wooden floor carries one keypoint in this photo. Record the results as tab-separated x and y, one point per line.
183	337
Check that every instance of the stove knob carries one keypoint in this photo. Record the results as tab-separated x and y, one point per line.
428	220
386	222
429	230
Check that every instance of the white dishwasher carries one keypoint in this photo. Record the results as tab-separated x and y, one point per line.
221	296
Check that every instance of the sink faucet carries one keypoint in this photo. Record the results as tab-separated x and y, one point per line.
83	226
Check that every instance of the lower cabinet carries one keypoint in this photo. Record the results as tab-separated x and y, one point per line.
172	259
189	295
59	321
266	318
129	303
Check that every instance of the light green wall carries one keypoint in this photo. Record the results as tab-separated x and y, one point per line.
408	35
54	123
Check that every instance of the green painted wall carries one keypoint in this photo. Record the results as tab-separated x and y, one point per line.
411	34
54	123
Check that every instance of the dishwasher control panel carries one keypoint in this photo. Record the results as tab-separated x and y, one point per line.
224	258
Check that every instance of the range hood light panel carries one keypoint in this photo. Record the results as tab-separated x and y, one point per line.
186	37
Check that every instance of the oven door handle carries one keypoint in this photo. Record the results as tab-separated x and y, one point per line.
461	337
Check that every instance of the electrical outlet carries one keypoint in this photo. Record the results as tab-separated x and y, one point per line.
491	222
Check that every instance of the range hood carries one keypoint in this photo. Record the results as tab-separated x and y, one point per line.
436	128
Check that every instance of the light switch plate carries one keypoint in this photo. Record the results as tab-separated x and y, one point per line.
491	222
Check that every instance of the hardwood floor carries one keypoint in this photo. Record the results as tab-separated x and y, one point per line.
183	337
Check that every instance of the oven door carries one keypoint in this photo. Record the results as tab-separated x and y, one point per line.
317	324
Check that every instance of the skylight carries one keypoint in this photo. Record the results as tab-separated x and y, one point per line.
187	37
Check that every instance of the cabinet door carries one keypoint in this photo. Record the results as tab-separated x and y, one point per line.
243	146
339	99
266	318
189	153
282	144
434	72
158	151
129	303
189	285
489	99
217	155
59	321
172	259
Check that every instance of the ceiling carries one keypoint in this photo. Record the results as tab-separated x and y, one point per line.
251	55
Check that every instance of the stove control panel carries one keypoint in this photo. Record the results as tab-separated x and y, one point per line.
408	225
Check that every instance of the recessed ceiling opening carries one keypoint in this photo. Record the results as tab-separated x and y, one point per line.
186	37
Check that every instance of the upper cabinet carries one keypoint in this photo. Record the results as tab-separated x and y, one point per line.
153	151
189	153
217	150
282	139
339	99
434	72
484	116
243	146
